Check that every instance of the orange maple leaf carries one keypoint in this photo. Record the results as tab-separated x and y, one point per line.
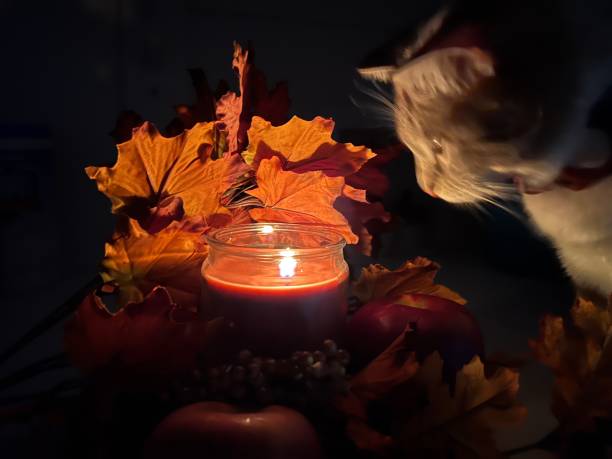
151	170
139	261
414	276
579	352
299	198
304	146
155	337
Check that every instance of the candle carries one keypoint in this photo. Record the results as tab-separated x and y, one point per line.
282	286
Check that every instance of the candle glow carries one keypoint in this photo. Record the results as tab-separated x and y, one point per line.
283	286
287	265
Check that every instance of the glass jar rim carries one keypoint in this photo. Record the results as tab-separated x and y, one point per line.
337	242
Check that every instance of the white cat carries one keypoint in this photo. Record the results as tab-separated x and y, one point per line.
490	93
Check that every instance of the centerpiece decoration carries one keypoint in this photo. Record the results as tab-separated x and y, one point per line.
226	323
230	296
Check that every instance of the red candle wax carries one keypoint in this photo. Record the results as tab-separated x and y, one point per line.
283	287
278	320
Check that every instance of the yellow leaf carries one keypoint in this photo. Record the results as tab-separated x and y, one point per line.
414	276
299	198
461	421
151	168
139	261
579	354
304	146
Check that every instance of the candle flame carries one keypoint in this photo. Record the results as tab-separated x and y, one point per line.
287	265
267	229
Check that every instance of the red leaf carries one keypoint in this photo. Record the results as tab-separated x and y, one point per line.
359	212
236	111
370	176
155	338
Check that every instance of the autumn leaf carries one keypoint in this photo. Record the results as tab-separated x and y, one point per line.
236	111
138	261
298	198
579	354
396	365
359	212
461	422
370	176
304	146
414	276
151	169
423	417
389	370
152	338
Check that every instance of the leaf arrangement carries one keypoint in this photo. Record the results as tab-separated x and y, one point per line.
231	158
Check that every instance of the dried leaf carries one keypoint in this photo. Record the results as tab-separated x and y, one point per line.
139	261
151	168
461	422
580	355
359	212
152	338
414	276
391	369
370	176
298	198
236	111
229	109
166	211
464	420
304	146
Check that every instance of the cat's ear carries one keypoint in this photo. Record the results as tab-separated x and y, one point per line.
382	62
382	73
379	64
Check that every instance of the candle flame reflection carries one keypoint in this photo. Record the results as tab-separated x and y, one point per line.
267	229
287	265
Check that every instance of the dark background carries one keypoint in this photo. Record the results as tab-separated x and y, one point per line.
69	67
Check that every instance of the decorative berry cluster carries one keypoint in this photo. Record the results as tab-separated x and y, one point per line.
304	378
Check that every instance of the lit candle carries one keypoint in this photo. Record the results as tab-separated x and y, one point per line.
283	286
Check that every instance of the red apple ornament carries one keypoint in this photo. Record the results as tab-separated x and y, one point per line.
439	325
214	430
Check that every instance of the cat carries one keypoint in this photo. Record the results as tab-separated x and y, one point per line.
494	101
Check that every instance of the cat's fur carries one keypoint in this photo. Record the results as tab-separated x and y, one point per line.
492	91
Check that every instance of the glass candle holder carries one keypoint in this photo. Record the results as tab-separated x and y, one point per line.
283	287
